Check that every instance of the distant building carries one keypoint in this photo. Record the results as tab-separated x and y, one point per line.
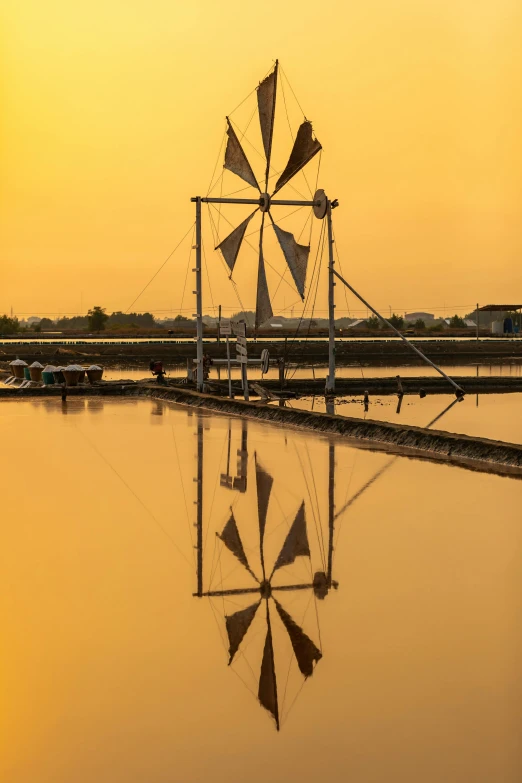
467	321
359	324
419	316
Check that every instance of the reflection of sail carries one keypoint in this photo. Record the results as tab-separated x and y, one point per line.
237	626
231	538
267	693
296	543
264	483
305	650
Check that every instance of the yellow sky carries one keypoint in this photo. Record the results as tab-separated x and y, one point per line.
112	113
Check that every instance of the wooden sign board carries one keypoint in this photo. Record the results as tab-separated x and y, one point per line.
225	327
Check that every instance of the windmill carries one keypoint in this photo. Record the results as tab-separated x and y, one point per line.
305	147
257	582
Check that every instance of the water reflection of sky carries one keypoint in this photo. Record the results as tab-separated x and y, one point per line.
112	669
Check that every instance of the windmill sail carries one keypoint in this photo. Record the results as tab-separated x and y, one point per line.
264	483
304	149
237	626
296	257
266	101
296	543
231	244
263	305
236	160
305	650
267	693
232	540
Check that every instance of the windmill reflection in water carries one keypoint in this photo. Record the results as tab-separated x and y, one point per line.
268	597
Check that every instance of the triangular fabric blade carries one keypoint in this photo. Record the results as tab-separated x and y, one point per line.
296	543
263	305
304	149
267	693
236	160
264	483
232	540
296	257
266	101
237	626
305	650
231	244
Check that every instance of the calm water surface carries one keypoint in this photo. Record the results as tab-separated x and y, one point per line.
113	670
513	370
495	416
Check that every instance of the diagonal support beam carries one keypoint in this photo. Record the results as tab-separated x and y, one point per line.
459	391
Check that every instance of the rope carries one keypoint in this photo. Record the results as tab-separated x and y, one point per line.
140	501
216	242
341	268
256	251
319	254
184	496
187	270
217	161
160	268
251	92
208	275
311	506
293	93
292	135
276	172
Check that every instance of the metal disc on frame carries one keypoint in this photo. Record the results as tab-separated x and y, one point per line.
264	202
321	204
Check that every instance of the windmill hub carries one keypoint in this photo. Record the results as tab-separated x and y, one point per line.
265	588
264	202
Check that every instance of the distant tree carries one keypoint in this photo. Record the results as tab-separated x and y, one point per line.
97	318
245	315
396	320
75	322
180	318
419	324
37	328
9	325
138	320
373	322
46	323
456	322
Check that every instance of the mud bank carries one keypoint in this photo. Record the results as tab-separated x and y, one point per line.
376	352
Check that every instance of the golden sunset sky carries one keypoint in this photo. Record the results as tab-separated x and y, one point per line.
112	113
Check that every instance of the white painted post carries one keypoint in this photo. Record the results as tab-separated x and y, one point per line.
330	381
199	304
229	371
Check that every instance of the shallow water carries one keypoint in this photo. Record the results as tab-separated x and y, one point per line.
495	416
113	670
513	370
